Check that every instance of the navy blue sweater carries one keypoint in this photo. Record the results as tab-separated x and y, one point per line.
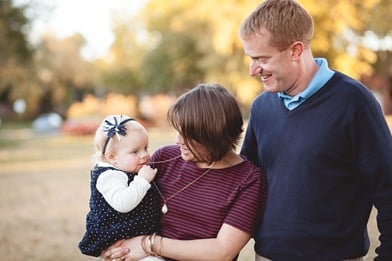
327	163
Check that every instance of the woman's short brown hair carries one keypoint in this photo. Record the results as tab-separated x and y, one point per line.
208	115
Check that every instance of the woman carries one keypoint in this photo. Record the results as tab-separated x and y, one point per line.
210	196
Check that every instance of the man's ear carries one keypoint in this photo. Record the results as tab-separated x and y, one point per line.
297	49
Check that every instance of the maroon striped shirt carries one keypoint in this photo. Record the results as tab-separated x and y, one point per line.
234	195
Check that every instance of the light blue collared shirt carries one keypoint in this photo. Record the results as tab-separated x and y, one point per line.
322	75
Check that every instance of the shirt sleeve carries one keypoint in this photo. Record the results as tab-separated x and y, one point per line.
250	202
374	154
113	185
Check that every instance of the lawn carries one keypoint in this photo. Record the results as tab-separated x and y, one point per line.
44	192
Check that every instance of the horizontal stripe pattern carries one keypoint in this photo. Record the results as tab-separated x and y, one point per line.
233	195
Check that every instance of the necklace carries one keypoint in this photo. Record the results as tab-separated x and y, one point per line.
165	209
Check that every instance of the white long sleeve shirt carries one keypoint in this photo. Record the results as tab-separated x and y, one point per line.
113	185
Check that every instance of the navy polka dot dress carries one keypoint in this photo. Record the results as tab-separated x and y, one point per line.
104	225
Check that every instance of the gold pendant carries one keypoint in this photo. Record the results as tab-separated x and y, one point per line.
164	209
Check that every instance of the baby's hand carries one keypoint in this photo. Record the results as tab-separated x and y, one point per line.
147	172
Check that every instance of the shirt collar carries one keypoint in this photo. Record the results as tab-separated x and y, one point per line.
322	75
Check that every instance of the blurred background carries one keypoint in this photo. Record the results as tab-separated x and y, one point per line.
65	64
85	59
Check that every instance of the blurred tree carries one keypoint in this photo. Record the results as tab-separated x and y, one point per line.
141	63
64	75
204	36
378	37
338	25
376	16
172	45
171	67
14	26
190	45
120	70
15	54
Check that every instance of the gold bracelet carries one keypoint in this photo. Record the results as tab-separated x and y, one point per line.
152	238
143	243
149	245
159	250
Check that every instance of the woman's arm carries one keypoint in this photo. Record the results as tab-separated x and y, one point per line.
228	243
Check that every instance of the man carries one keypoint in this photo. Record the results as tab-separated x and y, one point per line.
322	140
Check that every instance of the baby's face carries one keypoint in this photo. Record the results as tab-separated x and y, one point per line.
132	151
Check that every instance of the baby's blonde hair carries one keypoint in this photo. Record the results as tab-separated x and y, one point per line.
105	143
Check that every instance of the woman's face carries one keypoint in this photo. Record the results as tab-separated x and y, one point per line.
187	154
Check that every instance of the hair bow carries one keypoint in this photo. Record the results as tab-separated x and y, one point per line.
114	128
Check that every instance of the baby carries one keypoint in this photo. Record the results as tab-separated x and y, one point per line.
123	203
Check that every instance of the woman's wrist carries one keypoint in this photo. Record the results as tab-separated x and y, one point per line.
152	244
143	243
159	248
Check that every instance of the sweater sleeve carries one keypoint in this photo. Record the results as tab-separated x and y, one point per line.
113	185
375	161
249	145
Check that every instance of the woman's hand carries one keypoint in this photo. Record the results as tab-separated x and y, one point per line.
115	252
128	250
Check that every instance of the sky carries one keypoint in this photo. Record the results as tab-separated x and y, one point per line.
91	18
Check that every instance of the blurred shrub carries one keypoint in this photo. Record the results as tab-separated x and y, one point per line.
93	107
84	117
154	108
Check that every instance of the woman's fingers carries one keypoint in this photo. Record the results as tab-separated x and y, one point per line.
115	252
